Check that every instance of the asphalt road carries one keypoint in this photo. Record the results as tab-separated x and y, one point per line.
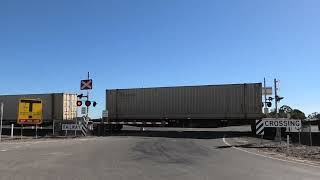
138	157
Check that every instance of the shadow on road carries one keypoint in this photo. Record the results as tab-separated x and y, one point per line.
182	134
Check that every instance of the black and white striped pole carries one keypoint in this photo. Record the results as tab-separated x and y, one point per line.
260	128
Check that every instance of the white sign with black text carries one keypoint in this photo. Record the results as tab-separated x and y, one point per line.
281	122
292	125
67	127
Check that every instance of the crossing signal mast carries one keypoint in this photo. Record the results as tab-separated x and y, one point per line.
86	85
268	91
276	96
267	103
277	99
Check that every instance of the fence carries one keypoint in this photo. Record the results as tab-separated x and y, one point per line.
306	138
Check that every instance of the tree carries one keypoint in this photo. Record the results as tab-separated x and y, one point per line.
297	114
314	115
285	111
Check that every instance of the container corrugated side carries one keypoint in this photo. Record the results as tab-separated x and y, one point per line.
69	106
237	101
65	106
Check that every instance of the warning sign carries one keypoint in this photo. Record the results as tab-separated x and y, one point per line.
282	122
86	84
277	123
30	111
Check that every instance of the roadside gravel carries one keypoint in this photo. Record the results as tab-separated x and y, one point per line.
273	148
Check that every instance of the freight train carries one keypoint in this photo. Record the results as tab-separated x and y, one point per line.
184	106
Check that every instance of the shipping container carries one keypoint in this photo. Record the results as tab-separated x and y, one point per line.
56	106
209	102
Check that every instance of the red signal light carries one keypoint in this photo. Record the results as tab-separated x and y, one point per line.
88	103
79	103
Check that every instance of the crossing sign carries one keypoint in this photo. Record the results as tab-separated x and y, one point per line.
30	111
281	122
276	123
66	127
86	84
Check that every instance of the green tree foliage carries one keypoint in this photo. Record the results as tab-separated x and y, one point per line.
297	114
314	115
285	111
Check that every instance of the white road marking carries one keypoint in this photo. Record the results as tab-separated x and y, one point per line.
57	154
249	152
242	141
3	150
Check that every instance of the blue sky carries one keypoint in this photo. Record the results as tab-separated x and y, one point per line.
48	46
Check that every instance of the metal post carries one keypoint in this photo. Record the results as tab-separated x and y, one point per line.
288	145
36	131
265	93
52	127
300	136
278	130
75	131
1	118
88	96
12	129
275	95
310	134
21	131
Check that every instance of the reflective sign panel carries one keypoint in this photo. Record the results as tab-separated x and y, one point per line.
86	84
267	91
30	111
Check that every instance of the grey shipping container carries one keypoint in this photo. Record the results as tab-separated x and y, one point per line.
56	106
216	102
